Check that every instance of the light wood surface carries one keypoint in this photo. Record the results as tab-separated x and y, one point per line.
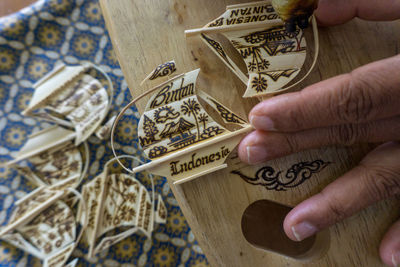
147	33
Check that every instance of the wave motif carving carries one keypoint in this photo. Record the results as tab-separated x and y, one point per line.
271	179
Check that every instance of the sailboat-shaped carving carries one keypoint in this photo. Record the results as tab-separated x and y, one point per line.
119	201
273	56
51	157
70	97
44	225
182	140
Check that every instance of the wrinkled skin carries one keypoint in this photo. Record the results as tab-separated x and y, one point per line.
361	106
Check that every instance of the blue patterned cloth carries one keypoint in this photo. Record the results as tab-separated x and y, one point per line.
32	41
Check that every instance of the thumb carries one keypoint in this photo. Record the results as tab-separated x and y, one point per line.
334	12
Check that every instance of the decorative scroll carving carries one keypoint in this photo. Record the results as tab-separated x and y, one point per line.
163	70
271	179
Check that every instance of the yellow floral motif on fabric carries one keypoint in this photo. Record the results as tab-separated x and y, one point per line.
93	12
7	60
164	257
176	222
16	136
12	25
126	248
49	35
23	100
115	167
6	252
127	130
4	172
38	68
199	263
83	45
60	5
110	54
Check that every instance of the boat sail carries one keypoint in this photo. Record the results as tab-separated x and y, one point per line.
118	200
273	56
50	157
44	225
70	97
179	136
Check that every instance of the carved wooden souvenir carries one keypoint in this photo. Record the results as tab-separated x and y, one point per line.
273	56
177	134
44	226
72	98
220	206
50	157
119	201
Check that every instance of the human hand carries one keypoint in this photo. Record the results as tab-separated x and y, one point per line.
361	106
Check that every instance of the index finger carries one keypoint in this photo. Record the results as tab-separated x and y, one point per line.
368	93
333	12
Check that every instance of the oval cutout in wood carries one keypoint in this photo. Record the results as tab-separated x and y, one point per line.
262	226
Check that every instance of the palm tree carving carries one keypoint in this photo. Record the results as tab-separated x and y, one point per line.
192	108
203	118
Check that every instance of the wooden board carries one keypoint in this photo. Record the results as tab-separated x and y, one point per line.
147	33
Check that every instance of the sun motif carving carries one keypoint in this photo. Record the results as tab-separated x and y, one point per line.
259	84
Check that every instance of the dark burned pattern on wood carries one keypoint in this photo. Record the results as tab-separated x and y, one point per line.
260	51
57	164
274	41
294	176
263	12
163	70
275	75
52	229
175	125
175	119
260	84
227	115
217	47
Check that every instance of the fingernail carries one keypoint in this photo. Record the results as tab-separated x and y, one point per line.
396	259
262	123
256	154
303	230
